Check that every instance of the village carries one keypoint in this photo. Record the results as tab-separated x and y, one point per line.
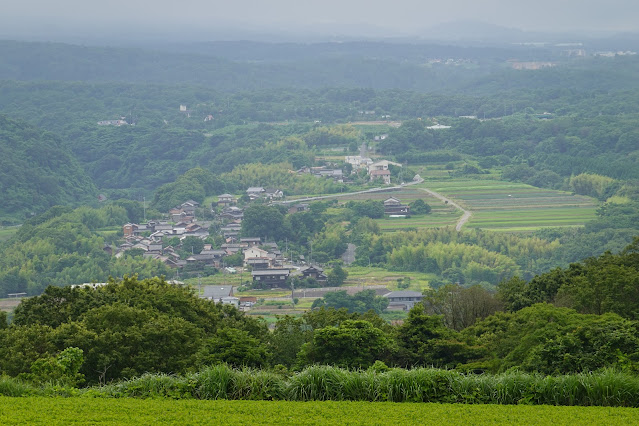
264	264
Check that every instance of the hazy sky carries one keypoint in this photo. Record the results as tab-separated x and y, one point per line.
346	16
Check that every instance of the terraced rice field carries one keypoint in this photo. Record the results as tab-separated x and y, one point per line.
515	207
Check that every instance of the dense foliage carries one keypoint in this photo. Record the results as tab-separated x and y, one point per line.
37	172
608	283
127	328
64	246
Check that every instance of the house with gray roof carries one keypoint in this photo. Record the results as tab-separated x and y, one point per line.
404	299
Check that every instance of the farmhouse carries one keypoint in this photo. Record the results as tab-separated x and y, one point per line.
255	192
384	175
129	229
403	299
297	208
269	278
393	206
252	241
382	165
225	200
314	272
220	294
273	193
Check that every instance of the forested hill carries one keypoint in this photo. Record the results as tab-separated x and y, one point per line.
425	68
37	172
49	61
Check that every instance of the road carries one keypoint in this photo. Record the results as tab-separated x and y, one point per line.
466	214
348	194
349	255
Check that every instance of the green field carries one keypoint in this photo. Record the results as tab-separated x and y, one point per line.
358	275
56	411
511	206
7	232
440	215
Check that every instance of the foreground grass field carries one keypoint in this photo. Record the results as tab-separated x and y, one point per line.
515	207
54	411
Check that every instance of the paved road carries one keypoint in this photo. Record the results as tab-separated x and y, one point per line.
349	255
347	194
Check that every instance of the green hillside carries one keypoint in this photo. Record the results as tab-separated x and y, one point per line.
36	172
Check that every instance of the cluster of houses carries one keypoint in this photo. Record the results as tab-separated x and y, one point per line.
264	259
376	170
256	192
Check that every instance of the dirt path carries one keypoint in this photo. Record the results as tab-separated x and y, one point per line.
466	213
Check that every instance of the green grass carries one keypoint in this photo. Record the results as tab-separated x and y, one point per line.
7	232
55	411
440	215
363	275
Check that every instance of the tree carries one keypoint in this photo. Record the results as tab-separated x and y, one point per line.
3	320
289	335
419	207
550	340
424	340
263	221
352	344
192	245
122	342
63	369
125	328
360	302
460	306
234	347
369	208
336	276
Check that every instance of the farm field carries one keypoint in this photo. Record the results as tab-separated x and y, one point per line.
441	215
55	411
358	275
515	207
7	232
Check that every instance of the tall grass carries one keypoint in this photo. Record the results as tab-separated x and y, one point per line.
322	383
10	386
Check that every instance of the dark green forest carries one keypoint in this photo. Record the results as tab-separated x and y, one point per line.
38	172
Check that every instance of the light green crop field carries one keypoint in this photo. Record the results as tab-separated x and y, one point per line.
515	207
63	411
8	232
362	275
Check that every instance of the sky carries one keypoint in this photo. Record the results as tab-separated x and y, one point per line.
350	17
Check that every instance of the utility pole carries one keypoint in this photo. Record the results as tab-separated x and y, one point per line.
144	207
